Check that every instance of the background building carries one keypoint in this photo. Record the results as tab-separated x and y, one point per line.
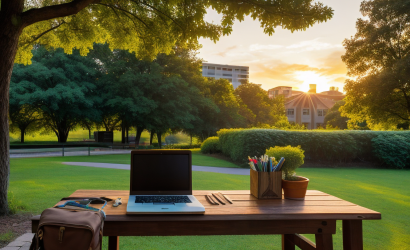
309	108
234	74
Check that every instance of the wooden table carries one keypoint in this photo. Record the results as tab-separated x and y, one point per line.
317	214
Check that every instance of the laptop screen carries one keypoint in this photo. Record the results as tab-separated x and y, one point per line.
161	172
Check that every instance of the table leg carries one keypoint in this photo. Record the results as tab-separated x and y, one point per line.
113	242
352	235
324	241
288	241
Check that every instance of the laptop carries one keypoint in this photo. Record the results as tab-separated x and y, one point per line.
161	182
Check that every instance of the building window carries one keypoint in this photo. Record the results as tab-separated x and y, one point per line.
209	67
305	111
236	69
226	74
291	112
276	93
244	70
320	112
218	68
286	92
243	76
211	73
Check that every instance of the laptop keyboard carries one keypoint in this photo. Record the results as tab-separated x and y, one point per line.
162	199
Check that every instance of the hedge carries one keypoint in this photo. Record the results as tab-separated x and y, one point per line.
322	145
210	146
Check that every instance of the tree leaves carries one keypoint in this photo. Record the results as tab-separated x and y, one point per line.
379	55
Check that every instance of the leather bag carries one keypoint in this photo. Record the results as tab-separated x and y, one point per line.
62	229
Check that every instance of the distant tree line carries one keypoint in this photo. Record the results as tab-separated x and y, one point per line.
115	90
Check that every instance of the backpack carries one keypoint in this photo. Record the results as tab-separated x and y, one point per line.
69	229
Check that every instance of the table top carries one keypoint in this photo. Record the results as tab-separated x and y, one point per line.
316	206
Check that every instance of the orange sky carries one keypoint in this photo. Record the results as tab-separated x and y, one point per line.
289	59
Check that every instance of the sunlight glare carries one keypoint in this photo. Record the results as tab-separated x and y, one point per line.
311	77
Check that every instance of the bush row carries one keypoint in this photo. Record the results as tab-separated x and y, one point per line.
390	147
211	146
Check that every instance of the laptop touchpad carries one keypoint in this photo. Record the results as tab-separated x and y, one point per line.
164	203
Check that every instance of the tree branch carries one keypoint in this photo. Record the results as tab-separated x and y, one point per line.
126	11
45	32
49	12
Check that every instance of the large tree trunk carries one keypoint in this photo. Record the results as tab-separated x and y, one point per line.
10	30
159	139
138	136
122	133
22	135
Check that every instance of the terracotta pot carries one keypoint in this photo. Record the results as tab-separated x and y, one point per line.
295	190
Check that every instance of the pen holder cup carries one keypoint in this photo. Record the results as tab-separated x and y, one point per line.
266	185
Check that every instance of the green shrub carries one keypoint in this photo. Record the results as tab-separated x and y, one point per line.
293	159
319	145
211	146
392	150
14	204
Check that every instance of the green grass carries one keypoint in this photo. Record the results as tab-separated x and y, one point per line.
7	236
80	134
40	182
197	159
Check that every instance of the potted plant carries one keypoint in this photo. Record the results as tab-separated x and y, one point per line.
294	187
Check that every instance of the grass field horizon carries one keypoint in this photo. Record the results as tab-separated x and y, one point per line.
40	182
79	135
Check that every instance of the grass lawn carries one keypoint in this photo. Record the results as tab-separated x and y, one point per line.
40	182
198	159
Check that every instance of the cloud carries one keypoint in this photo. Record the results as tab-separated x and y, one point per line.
333	64
225	52
340	79
259	47
279	70
312	45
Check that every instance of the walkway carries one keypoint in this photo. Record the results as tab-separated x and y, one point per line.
237	171
50	152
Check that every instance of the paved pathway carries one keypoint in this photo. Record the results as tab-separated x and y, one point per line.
237	171
25	153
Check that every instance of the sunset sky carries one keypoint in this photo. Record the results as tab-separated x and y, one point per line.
289	59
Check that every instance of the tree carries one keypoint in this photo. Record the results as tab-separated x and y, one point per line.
61	86
379	57
144	27
217	106
333	117
23	117
266	111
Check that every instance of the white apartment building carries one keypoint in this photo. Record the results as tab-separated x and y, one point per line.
234	74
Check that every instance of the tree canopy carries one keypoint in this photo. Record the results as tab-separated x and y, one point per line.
378	57
59	85
333	117
266	111
144	27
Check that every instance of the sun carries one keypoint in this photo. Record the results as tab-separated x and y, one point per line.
311	77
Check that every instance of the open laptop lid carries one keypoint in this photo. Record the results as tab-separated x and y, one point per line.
161	172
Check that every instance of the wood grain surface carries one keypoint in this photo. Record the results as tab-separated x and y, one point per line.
317	214
317	205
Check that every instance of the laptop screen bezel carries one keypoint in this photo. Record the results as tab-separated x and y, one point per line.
161	152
